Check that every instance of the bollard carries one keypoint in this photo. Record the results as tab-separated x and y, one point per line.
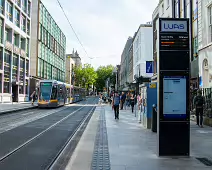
154	118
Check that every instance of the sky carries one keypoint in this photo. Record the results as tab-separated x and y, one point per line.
103	26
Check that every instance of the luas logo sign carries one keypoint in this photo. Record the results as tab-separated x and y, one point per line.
173	26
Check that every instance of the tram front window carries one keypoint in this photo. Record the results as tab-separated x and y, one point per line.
45	91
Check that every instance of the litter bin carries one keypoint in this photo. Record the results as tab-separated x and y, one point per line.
154	118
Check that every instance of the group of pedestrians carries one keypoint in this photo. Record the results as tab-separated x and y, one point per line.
123	101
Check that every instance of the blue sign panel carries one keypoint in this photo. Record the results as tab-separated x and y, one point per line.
149	66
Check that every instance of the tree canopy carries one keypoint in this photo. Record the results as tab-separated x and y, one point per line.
85	75
103	73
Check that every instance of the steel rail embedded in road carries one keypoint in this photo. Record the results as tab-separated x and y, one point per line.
38	135
37	113
58	156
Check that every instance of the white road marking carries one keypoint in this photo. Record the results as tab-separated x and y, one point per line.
203	131
27	113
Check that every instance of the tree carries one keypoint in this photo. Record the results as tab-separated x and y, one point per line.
85	76
78	73
103	73
89	75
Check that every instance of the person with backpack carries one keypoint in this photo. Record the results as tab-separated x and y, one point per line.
116	102
199	103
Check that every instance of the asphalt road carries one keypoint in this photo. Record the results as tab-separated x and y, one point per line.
35	142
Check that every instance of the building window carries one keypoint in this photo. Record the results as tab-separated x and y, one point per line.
23	5
1	6
28	27
27	47
9	10
162	8
23	23
16	40
6	87
15	68
29	9
210	23
0	83
7	66
1	58
22	63
176	9
26	87
23	43
41	69
195	45
21	89
167	3
38	73
1	30
17	18
40	32
18	2
27	68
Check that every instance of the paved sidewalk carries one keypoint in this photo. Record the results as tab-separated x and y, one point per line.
9	107
125	144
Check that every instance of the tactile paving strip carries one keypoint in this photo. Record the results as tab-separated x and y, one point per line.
101	159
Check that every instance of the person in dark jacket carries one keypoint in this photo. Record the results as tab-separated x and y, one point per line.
132	102
116	102
123	98
199	102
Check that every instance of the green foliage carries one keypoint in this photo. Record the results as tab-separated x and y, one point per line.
104	72
85	76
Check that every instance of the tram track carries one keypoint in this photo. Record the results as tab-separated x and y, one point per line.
11	121
56	135
14	119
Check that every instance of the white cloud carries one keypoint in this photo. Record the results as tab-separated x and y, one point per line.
103	26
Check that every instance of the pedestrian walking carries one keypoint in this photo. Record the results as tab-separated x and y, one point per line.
100	98
199	102
132	102
33	97
115	103
128	99
123	98
139	101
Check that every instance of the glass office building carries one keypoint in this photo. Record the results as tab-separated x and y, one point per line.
48	47
15	30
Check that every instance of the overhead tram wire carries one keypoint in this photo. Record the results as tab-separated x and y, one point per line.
73	29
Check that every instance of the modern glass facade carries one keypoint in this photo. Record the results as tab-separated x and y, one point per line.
51	48
14	49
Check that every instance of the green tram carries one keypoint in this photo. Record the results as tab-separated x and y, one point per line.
52	93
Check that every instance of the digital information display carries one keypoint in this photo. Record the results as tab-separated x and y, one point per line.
45	84
174	96
174	42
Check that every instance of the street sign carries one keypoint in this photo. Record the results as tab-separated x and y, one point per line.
174	26
149	66
173	87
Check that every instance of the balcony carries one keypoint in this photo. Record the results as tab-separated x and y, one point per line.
8	45
16	50
23	53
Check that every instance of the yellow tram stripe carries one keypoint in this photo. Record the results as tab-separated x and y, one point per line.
53	101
